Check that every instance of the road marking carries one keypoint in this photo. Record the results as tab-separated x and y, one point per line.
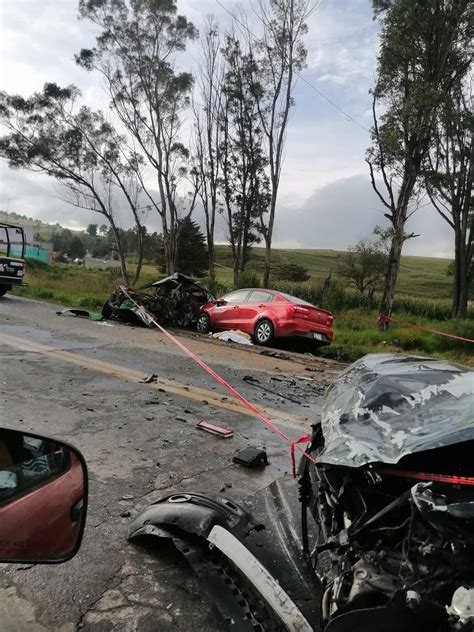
194	393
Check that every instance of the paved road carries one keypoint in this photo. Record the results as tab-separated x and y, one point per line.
81	381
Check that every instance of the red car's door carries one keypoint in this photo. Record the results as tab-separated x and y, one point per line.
257	302
225	315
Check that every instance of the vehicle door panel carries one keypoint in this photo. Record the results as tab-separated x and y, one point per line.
257	302
227	315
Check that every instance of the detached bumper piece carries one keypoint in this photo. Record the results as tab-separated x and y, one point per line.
210	531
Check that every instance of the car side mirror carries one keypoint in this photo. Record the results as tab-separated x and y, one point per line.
220	302
43	498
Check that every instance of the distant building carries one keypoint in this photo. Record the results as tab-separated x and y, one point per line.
39	250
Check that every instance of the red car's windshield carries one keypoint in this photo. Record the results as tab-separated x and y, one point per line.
294	299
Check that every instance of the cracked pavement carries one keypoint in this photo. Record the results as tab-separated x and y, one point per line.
137	451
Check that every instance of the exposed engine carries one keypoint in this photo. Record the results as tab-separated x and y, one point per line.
391	542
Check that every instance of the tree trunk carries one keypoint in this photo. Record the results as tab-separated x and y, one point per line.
268	233
211	259
138	269
461	275
118	243
391	276
370	298
268	262
166	248
236	274
172	262
457	272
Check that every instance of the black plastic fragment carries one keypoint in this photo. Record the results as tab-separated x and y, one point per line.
251	457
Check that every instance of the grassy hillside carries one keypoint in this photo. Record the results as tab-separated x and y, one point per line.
419	276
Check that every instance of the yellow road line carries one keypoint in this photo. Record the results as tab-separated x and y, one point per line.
173	387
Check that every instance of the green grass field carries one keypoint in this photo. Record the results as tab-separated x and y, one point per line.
419	276
423	282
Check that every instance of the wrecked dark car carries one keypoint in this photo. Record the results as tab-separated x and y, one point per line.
175	300
386	490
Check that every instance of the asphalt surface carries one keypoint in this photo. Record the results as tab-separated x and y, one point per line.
81	382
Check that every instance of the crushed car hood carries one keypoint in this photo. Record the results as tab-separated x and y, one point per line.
386	406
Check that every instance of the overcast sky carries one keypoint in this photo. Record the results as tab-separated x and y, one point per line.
325	198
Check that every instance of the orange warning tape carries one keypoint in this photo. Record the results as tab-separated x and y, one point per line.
384	319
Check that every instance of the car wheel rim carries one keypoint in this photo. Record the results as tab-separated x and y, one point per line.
202	323
264	332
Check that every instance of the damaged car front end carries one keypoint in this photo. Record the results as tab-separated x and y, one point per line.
175	300
388	509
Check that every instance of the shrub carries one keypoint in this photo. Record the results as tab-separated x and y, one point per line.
216	288
247	279
290	272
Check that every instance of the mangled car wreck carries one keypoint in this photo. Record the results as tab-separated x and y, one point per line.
386	486
175	300
388	511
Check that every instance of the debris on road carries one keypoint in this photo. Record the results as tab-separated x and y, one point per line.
219	431
233	335
81	313
271	353
175	300
250	380
149	379
251	457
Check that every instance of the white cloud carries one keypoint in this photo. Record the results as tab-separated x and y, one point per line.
340	213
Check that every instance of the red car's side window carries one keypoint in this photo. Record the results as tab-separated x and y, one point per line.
258	296
236	297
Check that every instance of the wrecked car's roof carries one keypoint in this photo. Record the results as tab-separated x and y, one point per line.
385	406
178	279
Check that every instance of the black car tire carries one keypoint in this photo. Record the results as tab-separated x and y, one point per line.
264	332
3	290
203	323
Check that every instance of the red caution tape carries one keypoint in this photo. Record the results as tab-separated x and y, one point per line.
293	445
425	476
149	318
385	319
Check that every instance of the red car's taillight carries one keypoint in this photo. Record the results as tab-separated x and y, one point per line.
297	310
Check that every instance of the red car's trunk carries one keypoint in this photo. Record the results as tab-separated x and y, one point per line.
310	314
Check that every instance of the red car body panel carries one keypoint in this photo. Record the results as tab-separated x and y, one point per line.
289	318
40	520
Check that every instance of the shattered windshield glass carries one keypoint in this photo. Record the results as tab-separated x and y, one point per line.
385	406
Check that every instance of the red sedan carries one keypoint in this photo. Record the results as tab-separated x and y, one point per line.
265	314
